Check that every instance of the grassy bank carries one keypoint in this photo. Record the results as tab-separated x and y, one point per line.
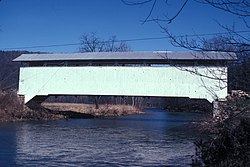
104	110
11	110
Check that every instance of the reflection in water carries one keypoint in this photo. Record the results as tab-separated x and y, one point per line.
153	139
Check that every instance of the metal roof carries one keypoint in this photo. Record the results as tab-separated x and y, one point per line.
127	56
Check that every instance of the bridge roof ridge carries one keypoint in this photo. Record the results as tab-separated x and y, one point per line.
159	55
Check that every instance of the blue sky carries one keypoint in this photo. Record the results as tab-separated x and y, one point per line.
53	22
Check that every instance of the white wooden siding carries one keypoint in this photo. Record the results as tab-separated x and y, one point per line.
131	81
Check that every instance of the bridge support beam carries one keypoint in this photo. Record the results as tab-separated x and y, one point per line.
35	103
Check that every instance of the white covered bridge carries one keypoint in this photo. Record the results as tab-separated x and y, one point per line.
163	74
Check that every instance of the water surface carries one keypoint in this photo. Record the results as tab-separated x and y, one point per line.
156	138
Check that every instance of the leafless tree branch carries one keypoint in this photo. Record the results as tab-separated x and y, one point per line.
236	7
232	41
147	19
91	43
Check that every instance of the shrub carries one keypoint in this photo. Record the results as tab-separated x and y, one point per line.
229	143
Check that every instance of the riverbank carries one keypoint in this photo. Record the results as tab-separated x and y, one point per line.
226	142
28	114
189	105
11	110
104	110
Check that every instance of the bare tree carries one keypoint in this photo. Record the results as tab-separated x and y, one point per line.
91	43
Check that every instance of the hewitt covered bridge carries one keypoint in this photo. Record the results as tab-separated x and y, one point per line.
163	74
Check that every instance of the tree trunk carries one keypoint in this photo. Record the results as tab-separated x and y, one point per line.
97	101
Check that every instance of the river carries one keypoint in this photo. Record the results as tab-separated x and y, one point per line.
157	138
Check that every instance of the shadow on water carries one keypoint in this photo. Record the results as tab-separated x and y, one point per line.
153	139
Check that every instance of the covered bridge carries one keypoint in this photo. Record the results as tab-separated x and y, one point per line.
161	74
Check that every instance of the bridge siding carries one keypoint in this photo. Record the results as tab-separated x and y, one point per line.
130	81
